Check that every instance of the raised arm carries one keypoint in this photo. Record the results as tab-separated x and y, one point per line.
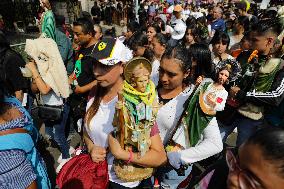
38	82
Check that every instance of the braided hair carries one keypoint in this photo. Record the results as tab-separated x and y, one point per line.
268	25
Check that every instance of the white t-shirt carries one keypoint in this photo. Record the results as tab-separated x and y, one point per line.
197	14
169	114
155	71
178	28
52	99
210	142
170	10
186	12
100	127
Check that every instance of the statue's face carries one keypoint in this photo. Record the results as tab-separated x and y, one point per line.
141	83
41	3
44	3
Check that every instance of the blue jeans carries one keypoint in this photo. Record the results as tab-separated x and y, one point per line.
170	179
246	127
56	130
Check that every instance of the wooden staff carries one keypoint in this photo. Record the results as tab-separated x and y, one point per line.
121	121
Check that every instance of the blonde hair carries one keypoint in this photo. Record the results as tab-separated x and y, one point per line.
46	4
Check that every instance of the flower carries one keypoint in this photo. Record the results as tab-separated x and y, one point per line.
253	55
219	100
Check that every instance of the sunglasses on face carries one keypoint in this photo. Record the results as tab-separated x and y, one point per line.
245	179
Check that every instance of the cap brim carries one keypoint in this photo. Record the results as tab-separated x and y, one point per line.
103	50
110	51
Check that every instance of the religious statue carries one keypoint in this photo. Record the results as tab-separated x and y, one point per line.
135	116
208	98
47	21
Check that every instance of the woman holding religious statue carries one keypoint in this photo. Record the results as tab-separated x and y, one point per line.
186	120
126	107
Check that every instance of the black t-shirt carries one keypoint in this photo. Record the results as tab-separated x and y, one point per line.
86	76
13	75
162	100
95	11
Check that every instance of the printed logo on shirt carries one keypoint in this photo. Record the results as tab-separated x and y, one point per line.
102	46
78	68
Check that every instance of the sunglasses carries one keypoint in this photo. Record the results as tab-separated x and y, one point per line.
245	179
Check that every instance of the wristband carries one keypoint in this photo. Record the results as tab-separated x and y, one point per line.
130	156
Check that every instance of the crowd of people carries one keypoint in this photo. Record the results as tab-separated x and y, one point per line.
112	12
150	104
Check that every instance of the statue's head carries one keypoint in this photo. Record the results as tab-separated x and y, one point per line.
45	4
140	78
137	73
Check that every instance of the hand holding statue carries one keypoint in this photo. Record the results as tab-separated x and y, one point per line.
119	105
234	91
211	99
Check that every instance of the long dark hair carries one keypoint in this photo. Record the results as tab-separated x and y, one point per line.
4	44
194	32
271	142
4	48
161	39
202	55
156	27
222	37
98	95
226	67
97	92
141	39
